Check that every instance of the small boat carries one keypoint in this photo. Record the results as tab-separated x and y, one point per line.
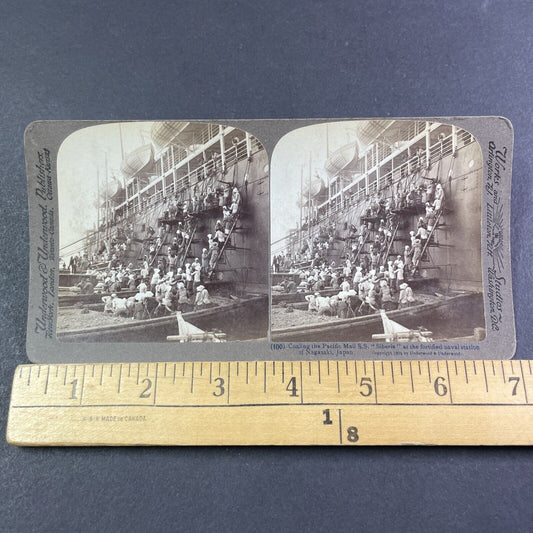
232	314
394	332
361	327
190	333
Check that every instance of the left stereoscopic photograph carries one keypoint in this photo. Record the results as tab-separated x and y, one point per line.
163	234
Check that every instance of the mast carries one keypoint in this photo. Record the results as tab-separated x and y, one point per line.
106	198
309	200
121	151
327	142
301	206
98	208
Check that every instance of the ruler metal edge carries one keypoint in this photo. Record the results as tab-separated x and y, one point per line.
329	402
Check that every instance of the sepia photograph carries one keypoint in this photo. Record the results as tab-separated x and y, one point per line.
376	233
163	234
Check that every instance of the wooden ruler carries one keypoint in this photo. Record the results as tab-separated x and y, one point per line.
273	402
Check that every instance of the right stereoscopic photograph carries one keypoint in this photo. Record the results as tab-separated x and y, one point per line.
376	233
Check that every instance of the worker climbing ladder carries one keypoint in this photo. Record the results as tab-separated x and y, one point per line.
225	245
360	246
189	243
385	254
416	263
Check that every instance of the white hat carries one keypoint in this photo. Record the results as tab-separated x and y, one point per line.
200	288
403	286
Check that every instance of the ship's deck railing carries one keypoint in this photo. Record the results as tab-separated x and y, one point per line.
233	154
328	210
407	132
437	151
177	153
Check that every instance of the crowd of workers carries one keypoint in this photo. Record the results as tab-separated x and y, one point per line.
163	280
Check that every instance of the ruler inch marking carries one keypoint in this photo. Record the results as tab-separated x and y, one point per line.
119	378
302	384
46	384
466	371
449	382
246	372
102	376
375	382
338	379
155	381
319	374
29	377
523	381
392	372
503	371
82	385
485	375
192	378
411	372
229	379
283	371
